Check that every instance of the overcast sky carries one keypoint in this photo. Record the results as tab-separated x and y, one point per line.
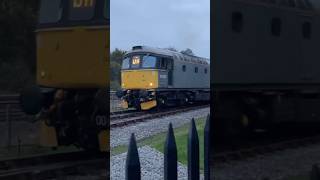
161	23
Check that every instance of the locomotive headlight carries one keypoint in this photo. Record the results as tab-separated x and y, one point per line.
151	84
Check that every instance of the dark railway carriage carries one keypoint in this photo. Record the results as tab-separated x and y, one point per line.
266	63
153	77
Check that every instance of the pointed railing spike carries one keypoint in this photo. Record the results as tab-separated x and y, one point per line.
207	149
193	153
133	171
170	156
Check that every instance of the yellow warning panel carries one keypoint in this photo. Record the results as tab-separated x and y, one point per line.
48	135
148	105
124	104
104	140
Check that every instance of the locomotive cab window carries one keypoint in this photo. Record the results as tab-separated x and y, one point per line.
50	11
205	70
196	69
126	63
163	63
149	62
81	9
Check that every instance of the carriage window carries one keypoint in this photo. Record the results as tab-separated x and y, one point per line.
107	9
237	22
196	69
205	70
149	62
276	26
50	11
125	63
306	30
82	9
184	68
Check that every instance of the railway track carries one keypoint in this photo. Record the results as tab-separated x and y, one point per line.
54	165
124	119
240	154
10	108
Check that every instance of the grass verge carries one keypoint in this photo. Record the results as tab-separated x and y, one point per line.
181	136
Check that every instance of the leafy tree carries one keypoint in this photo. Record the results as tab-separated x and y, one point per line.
115	68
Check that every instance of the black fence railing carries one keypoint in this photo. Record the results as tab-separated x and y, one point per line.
133	171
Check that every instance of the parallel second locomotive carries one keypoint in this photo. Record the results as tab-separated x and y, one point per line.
266	64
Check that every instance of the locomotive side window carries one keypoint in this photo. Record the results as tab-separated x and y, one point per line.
306	30
50	11
184	68
205	70
276	26
81	9
149	62
126	63
196	69
237	22
163	63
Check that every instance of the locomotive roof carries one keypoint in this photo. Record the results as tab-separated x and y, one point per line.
171	53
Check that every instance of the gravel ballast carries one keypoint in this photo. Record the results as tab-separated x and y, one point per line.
120	135
151	162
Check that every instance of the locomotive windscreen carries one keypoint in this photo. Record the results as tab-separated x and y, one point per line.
140	61
81	9
50	11
74	12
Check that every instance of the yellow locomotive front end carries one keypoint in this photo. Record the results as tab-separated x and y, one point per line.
73	57
143	75
72	73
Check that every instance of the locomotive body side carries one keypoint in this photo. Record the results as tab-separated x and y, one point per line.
265	64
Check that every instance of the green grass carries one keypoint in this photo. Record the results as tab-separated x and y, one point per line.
181	136
305	176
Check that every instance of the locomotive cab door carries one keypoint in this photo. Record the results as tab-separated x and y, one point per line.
166	66
170	71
